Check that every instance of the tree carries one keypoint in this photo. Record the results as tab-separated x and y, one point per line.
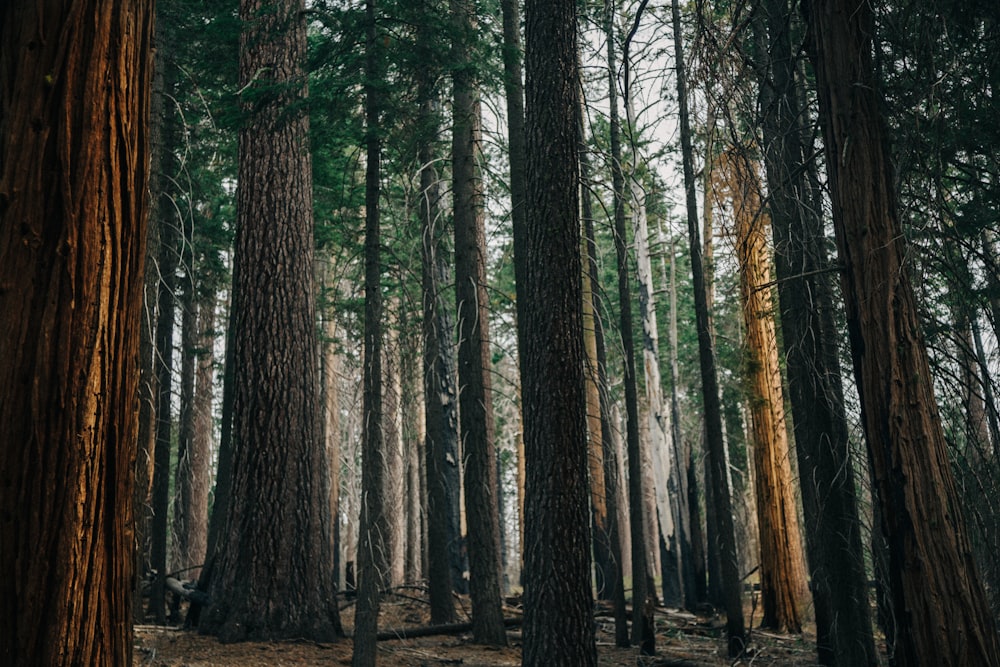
475	393
640	577
606	526
72	236
440	405
558	624
782	568
731	582
940	610
372	560
273	576
168	224
830	509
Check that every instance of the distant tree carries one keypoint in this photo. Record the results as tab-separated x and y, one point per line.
372	560
441	400
641	581
604	491
827	475
558	604
273	576
940	611
783	587
72	237
719	488
475	393
168	223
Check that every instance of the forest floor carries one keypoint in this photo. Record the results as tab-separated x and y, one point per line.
682	640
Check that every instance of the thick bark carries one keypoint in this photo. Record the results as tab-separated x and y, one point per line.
731	583
273	577
782	568
440	415
474	356
169	225
640	568
830	510
72	237
940	609
372	525
558	603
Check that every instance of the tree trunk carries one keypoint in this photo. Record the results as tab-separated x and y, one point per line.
474	356
782	569
72	237
414	437
148	360
372	525
830	512
440	415
184	470
595	443
330	372
715	593
167	263
607	536
660	431
558	603
941	614
637	523
273	574
687	549
201	443
731	583
392	442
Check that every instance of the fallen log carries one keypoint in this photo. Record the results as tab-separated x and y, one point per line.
432	630
177	587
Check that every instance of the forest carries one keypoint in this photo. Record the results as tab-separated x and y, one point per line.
563	332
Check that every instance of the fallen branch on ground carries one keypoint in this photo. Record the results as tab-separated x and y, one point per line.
431	630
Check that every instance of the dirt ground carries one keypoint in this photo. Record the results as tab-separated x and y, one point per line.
682	640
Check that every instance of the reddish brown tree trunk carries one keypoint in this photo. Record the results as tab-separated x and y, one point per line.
782	568
940	611
73	168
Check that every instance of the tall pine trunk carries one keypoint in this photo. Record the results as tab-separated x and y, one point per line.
782	568
731	582
941	614
830	508
558	603
372	524
640	568
169	224
474	356
274	582
606	526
